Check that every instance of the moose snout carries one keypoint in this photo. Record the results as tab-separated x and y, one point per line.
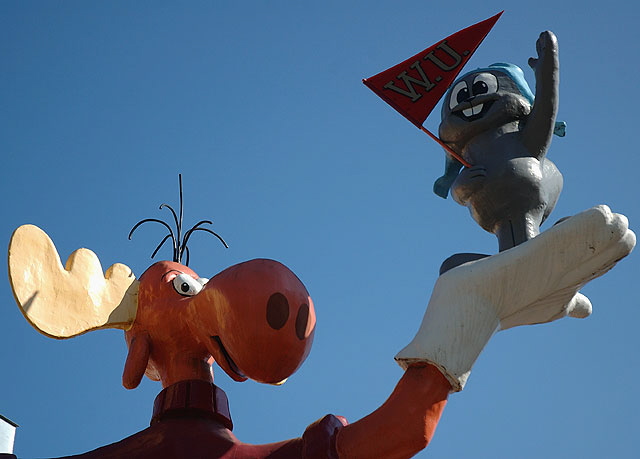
262	318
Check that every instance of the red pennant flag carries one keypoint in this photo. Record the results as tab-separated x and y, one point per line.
415	86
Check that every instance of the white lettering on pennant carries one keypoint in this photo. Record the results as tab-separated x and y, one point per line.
410	82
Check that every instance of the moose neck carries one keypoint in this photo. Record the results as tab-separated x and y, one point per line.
176	368
192	399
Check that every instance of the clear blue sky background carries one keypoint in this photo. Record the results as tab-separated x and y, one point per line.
260	106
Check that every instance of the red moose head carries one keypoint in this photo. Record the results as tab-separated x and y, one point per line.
255	319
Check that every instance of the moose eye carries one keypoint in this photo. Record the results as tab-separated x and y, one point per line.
485	83
459	93
186	285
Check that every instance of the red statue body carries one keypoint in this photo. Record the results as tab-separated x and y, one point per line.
256	320
234	317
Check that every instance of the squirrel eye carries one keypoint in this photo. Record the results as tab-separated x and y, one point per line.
186	285
459	93
485	83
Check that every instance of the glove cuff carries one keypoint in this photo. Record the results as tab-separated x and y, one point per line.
454	331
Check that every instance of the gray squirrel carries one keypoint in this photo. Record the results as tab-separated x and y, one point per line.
493	120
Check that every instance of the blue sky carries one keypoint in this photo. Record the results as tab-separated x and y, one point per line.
261	108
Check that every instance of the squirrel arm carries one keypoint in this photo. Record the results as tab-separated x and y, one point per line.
541	123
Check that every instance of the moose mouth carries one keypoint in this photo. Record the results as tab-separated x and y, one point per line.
230	363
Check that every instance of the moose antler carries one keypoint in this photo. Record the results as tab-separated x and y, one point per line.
66	301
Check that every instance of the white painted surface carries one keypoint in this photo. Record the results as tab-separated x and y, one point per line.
533	283
7	435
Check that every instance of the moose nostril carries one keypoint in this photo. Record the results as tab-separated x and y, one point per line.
277	311
301	321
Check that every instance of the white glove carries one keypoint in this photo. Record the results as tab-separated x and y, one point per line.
534	282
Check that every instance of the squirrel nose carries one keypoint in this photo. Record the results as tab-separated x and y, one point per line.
469	99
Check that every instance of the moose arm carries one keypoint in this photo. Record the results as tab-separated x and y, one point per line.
406	421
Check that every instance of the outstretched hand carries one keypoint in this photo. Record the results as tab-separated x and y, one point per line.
547	49
535	282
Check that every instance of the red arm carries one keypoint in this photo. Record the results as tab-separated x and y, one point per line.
404	424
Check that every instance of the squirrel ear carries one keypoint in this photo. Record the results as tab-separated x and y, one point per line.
137	360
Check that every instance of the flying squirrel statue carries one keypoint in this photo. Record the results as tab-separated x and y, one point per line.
493	120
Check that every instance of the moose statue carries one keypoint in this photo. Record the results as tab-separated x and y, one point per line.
257	320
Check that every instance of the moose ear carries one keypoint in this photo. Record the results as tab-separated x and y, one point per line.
65	301
137	360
